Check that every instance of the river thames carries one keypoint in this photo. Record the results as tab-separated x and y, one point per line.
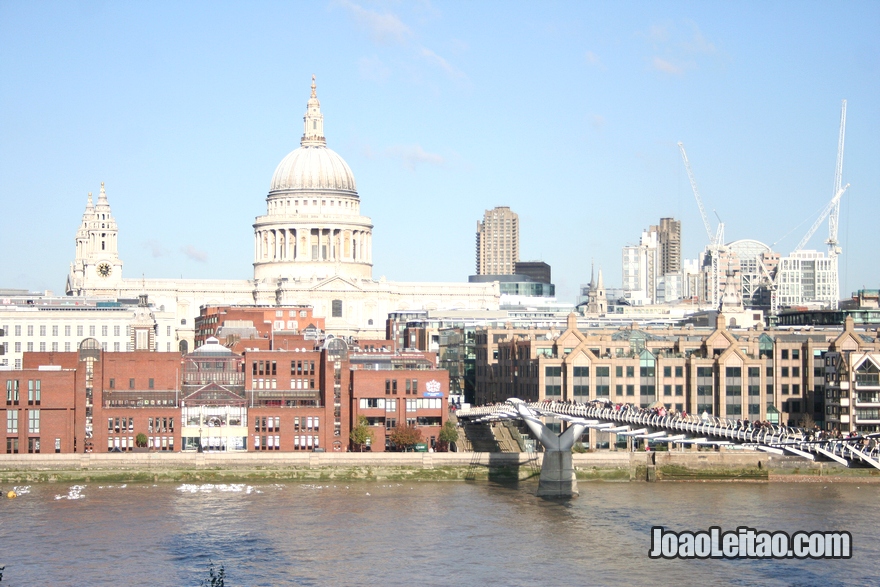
418	533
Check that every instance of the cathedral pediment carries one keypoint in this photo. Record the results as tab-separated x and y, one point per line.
336	283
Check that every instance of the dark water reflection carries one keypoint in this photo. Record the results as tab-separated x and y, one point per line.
417	534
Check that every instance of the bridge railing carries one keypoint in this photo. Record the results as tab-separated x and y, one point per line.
864	449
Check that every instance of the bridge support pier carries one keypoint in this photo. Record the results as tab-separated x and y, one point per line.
558	477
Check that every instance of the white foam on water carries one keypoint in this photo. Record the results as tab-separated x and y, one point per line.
74	492
219	488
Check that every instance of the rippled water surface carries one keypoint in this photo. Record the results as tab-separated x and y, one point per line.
417	533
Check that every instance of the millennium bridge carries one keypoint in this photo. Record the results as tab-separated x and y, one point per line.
656	426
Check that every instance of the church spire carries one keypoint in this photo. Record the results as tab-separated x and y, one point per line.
313	127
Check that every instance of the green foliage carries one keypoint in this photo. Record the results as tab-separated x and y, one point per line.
449	433
405	436
141	440
216	577
361	434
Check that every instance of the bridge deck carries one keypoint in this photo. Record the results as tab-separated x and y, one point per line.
649	424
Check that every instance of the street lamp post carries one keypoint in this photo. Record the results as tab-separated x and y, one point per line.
200	439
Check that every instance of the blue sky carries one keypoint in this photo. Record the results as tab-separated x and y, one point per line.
567	112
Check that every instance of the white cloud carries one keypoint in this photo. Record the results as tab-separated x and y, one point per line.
440	62
658	33
384	28
699	43
387	28
593	59
676	50
665	66
155	247
412	155
194	254
373	69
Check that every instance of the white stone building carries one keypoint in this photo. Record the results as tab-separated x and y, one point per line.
312	247
46	323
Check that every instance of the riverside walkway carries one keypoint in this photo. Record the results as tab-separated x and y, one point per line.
655	426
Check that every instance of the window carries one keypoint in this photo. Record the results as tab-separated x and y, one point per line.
33	421
67	330
784	353
618	371
151	383
630	389
131	383
104	330
11	391
667	371
630	371
667	390
784	372
679	390
795	371
34	391
678	371
795	353
55	330
11	422
336	309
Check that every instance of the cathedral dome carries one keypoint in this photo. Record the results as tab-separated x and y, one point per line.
313	167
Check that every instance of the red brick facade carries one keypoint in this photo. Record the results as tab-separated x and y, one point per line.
303	397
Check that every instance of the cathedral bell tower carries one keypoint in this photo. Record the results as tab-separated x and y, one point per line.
96	269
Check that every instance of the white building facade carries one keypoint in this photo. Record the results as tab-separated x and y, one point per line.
35	323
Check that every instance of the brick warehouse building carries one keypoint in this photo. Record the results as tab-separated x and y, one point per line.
780	375
304	395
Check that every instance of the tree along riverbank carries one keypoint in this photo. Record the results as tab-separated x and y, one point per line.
307	466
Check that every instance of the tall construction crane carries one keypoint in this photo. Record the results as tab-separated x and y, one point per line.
716	240
832	211
690	173
834	216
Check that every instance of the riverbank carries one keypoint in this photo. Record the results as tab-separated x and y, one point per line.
307	466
